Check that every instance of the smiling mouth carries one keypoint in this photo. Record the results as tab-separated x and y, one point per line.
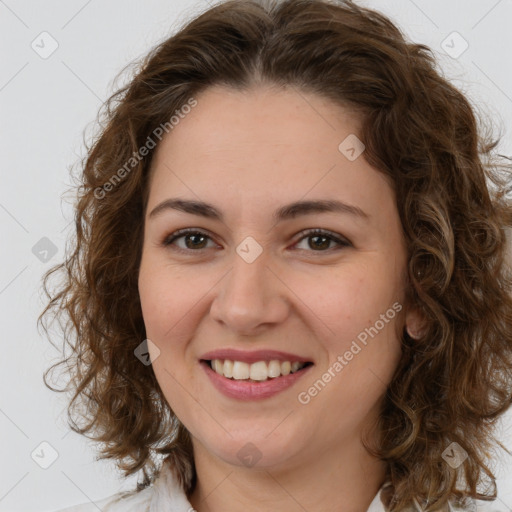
259	371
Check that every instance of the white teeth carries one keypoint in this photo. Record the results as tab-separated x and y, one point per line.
240	370
274	369
259	371
295	366
286	367
217	366
228	368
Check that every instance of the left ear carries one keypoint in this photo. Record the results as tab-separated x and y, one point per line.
415	323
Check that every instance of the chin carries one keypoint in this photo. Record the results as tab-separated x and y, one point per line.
252	449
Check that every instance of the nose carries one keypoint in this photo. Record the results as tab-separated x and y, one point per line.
250	297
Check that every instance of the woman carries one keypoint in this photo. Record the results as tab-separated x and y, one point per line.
289	277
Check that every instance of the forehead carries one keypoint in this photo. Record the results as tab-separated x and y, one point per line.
262	119
262	145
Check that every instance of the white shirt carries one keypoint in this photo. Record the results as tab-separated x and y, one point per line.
166	495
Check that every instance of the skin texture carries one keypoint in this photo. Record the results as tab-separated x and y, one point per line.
248	154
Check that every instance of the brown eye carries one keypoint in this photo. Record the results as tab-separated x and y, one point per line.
193	240
320	240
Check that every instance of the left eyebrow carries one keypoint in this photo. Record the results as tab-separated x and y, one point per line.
297	208
285	212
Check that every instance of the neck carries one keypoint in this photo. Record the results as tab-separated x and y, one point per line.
346	476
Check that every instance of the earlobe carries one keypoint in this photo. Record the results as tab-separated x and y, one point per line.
415	323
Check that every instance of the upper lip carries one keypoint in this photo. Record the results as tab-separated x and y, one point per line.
253	356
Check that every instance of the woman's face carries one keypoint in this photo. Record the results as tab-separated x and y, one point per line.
253	287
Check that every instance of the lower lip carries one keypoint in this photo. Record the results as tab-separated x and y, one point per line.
250	390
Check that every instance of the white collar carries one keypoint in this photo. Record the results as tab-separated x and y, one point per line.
168	495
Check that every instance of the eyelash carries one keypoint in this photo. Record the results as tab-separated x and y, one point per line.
168	241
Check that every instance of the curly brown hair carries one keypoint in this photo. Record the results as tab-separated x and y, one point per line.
453	383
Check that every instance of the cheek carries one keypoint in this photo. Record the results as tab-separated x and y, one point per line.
166	311
152	297
362	312
351	298
165	294
174	303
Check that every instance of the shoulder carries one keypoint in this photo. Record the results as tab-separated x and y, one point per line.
471	505
475	506
120	502
166	493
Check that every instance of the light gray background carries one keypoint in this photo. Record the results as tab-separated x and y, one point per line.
46	104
